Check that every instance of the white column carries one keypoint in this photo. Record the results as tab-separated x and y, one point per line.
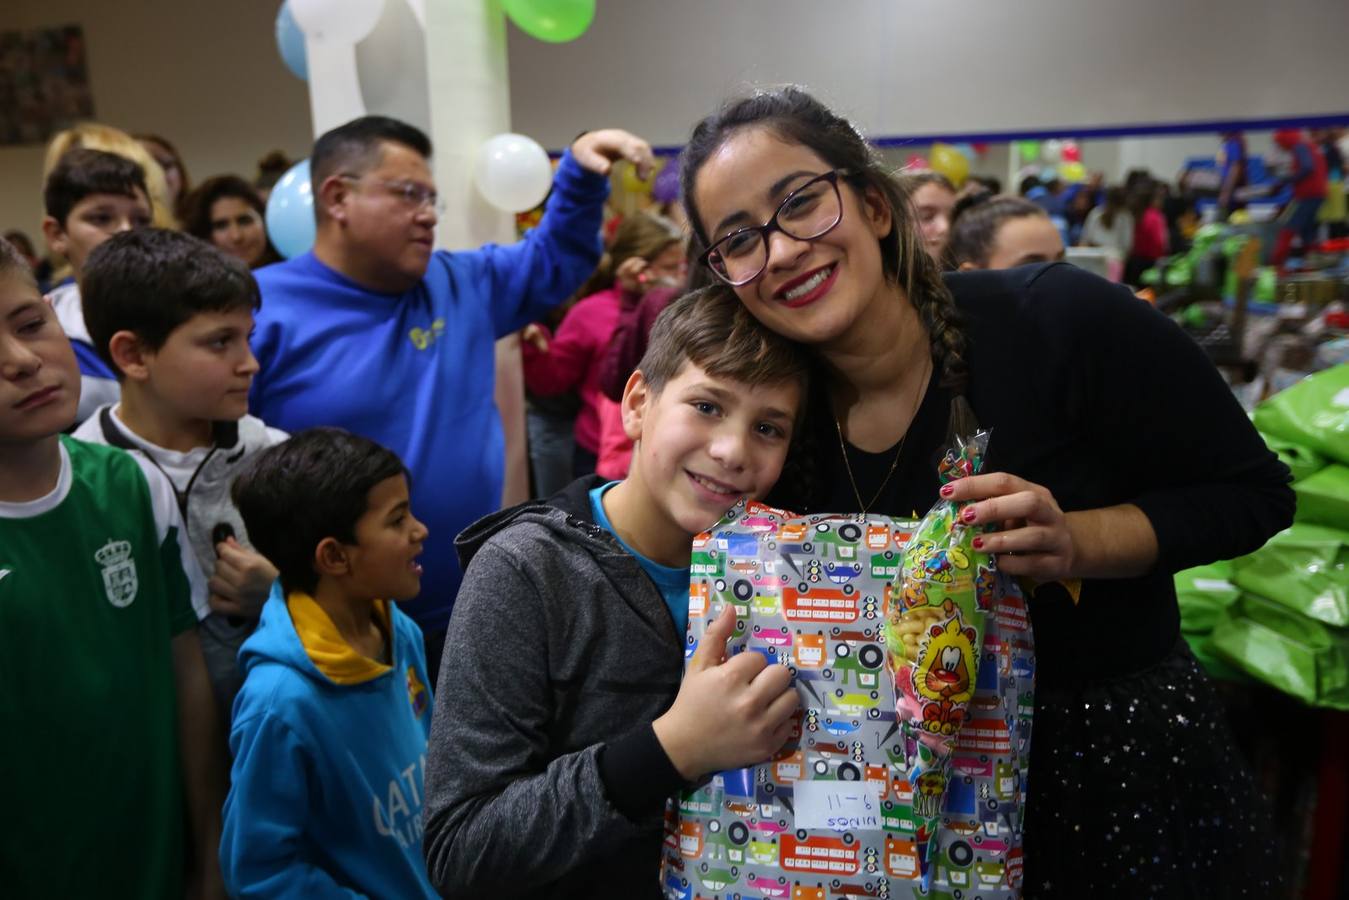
470	101
469	88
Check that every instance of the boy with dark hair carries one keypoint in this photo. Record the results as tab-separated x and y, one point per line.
558	733
110	731
89	196
171	315
329	733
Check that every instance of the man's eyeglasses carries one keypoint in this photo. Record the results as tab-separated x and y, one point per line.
807	213
414	196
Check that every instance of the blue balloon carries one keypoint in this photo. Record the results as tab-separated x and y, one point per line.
290	212
967	151
290	41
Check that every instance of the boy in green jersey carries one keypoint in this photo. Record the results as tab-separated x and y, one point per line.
111	737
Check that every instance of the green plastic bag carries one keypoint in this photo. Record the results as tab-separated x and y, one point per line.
1304	568
1323	497
1314	412
1300	459
1285	650
1203	593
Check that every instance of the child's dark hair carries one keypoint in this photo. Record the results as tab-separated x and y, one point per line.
82	172
314	486
799	118
974	227
149	281
356	147
712	329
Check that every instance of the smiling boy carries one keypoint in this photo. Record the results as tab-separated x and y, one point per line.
558	733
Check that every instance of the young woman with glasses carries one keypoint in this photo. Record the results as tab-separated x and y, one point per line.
1119	455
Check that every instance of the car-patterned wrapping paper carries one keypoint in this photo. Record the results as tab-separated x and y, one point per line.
907	772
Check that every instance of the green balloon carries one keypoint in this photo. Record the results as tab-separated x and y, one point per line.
1030	150
555	21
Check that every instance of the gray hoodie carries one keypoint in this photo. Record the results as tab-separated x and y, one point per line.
544	777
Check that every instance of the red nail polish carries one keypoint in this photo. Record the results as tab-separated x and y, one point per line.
978	543
967	514
948	490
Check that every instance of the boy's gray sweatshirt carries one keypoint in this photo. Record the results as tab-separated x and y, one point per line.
544	777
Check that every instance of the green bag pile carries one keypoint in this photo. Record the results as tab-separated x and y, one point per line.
1281	614
1313	413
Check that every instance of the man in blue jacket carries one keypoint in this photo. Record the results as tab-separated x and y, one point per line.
377	333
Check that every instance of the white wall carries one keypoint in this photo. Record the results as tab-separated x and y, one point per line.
915	67
207	75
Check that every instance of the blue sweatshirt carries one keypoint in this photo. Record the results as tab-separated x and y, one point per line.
329	757
416	371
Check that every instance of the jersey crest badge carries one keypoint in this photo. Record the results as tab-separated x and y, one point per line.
119	572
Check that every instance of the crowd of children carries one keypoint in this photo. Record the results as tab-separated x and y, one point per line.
265	632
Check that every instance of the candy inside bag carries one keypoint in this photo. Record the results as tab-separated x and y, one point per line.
934	630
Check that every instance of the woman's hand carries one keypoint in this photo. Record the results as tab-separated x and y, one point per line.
1033	539
1039	540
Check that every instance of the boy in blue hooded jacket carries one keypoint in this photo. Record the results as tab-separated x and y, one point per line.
329	731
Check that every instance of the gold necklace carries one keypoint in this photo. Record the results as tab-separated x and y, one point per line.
899	451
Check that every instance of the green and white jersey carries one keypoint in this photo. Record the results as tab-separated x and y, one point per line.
95	581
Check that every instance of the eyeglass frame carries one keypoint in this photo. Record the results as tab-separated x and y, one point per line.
404	191
767	228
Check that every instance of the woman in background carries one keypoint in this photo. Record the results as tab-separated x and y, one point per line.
226	211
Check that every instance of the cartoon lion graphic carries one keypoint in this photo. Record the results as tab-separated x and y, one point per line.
944	676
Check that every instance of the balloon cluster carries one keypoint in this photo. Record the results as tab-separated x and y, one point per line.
1063	157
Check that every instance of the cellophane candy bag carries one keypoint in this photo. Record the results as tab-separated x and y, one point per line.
934	633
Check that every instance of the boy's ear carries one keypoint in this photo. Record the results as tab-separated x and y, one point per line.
55	235
330	558
636	394
130	355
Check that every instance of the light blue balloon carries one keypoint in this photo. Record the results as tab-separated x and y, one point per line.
967	151
290	212
290	41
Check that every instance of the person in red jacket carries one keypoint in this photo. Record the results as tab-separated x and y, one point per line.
1150	233
647	252
1308	179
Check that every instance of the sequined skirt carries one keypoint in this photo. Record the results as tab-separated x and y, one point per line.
1137	791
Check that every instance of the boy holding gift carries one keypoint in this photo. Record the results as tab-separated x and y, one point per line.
560	725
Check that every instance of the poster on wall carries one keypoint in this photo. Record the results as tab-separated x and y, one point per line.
44	83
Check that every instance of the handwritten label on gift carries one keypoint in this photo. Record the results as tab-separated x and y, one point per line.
838	805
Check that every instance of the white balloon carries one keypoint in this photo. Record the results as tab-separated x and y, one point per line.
513	172
338	21
1051	151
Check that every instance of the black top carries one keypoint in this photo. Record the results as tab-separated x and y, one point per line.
1098	397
